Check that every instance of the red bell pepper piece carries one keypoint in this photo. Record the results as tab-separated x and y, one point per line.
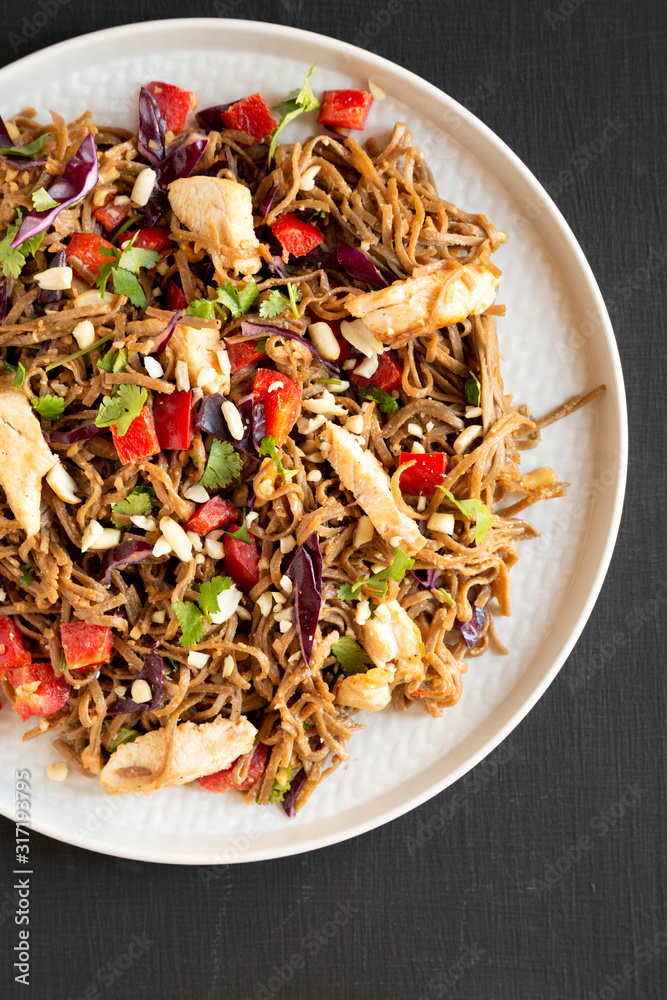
295	235
109	215
151	238
174	297
215	513
13	652
140	441
252	116
423	478
85	645
241	560
38	690
281	399
345	108
388	374
174	419
243	354
84	255
223	781
175	104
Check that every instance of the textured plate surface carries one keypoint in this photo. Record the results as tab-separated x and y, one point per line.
556	341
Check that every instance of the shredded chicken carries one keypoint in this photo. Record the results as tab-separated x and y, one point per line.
198	348
25	457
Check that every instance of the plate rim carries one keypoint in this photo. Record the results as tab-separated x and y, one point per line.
166	26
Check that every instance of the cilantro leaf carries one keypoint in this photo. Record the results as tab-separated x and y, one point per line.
29	149
139	501
13	258
134	258
475	511
473	390
49	407
273	306
191	621
122	408
26	576
114	361
302	100
203	308
241	533
42	200
352	657
224	465
281	785
19	373
268	448
385	401
124	734
378	581
237	300
209	592
126	283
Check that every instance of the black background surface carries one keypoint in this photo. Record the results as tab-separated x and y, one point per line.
490	891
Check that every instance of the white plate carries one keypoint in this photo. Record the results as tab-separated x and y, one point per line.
556	340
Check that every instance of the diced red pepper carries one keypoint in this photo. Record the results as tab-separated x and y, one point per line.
139	442
174	297
345	108
151	238
84	254
223	781
252	116
174	419
243	354
423	478
295	235
388	374
215	513
241	560
281	399
109	215
175	104
38	690
85	645
13	652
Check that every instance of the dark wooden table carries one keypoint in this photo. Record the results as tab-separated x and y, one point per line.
549	881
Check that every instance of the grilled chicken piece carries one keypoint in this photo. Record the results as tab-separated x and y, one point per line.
392	640
219	210
394	644
360	472
198	750
198	347
407	306
25	457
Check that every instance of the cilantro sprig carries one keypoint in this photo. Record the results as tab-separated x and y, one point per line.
122	408
114	361
269	449
227	296
49	407
191	617
42	200
385	401
26	574
139	501
473	510
123	268
29	149
277	303
377	583
19	372
124	734
300	101
352	657
224	465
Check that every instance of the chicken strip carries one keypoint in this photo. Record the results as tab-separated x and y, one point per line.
408	306
220	210
360	472
25	457
198	347
198	750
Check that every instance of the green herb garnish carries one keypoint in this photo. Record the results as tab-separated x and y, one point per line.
29	149
123	269
223	466
42	200
268	448
274	305
301	100
13	258
378	582
124	734
473	390
385	401
26	575
237	300
122	408
49	407
352	657
139	502
191	618
473	510
279	788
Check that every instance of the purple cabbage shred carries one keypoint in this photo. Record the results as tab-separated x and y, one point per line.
471	630
358	265
257	331
210	119
289	799
305	571
153	673
4	298
126	554
83	432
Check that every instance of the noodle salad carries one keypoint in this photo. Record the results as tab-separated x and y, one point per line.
258	469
